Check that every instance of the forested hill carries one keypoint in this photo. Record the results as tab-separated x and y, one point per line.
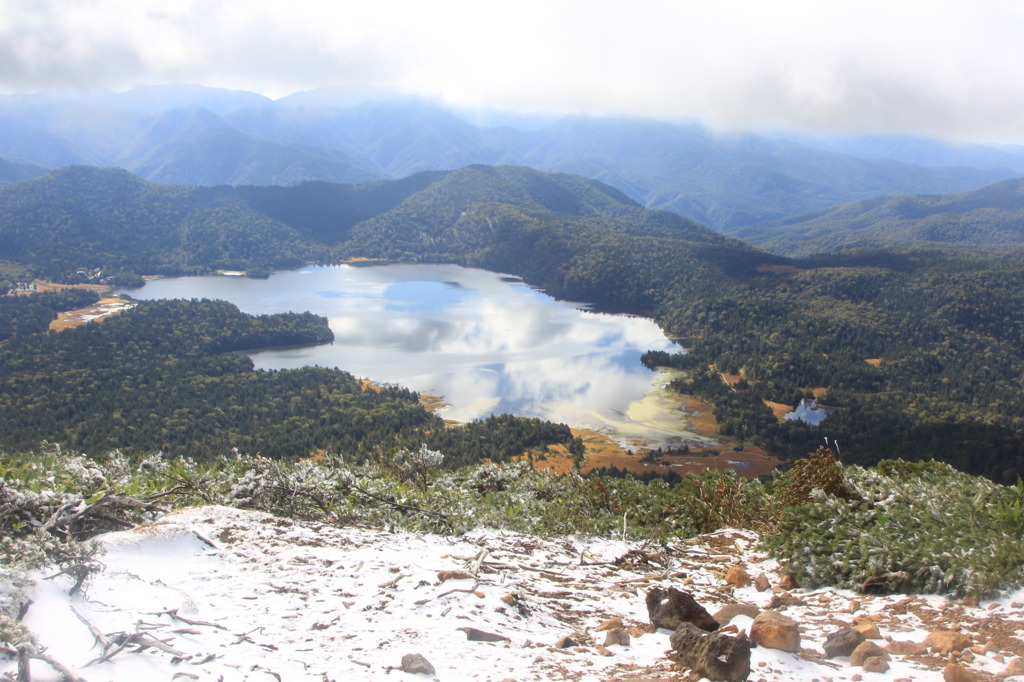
987	219
547	227
918	354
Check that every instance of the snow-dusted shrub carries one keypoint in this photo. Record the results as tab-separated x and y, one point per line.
416	465
51	503
302	490
914	527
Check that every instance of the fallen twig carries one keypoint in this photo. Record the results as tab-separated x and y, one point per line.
463	589
26	652
393	581
96	633
173	613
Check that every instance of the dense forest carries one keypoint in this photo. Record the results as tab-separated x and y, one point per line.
165	376
917	353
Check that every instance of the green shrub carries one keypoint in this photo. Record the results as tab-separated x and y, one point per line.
909	527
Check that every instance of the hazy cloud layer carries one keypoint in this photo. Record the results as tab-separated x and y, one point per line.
940	67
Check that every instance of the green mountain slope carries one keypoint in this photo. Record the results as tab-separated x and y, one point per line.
988	219
944	332
552	229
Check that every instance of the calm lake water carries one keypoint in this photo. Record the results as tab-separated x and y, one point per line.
485	343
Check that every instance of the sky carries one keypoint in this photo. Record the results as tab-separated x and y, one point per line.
943	68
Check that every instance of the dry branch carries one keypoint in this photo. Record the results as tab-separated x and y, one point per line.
96	633
173	613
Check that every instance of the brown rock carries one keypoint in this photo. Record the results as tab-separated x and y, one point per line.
945	642
1016	667
737	576
906	648
875	664
788	582
854	605
785	599
730	611
866	650
671	608
616	636
453	575
610	624
866	628
773	630
842	642
566	642
958	673
761	582
602	650
711	655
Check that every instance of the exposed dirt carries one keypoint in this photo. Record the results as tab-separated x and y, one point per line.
105	307
778	409
777	269
750	462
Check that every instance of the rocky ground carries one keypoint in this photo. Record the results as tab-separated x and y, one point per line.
214	593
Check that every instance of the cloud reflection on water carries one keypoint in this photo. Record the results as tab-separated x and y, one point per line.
485	343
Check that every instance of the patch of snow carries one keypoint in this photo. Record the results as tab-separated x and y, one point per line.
242	595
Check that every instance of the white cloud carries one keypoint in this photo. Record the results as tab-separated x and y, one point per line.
929	66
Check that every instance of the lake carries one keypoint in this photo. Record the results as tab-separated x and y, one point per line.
483	342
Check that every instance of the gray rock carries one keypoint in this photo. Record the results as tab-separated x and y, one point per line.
417	665
842	642
717	657
474	635
672	608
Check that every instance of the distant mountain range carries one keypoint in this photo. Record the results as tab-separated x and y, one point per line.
988	219
12	171
203	136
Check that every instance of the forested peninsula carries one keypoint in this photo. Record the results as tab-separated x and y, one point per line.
917	353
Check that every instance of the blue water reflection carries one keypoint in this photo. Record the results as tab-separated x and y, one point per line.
484	342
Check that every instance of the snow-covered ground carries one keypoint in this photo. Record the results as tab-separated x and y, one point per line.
225	594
